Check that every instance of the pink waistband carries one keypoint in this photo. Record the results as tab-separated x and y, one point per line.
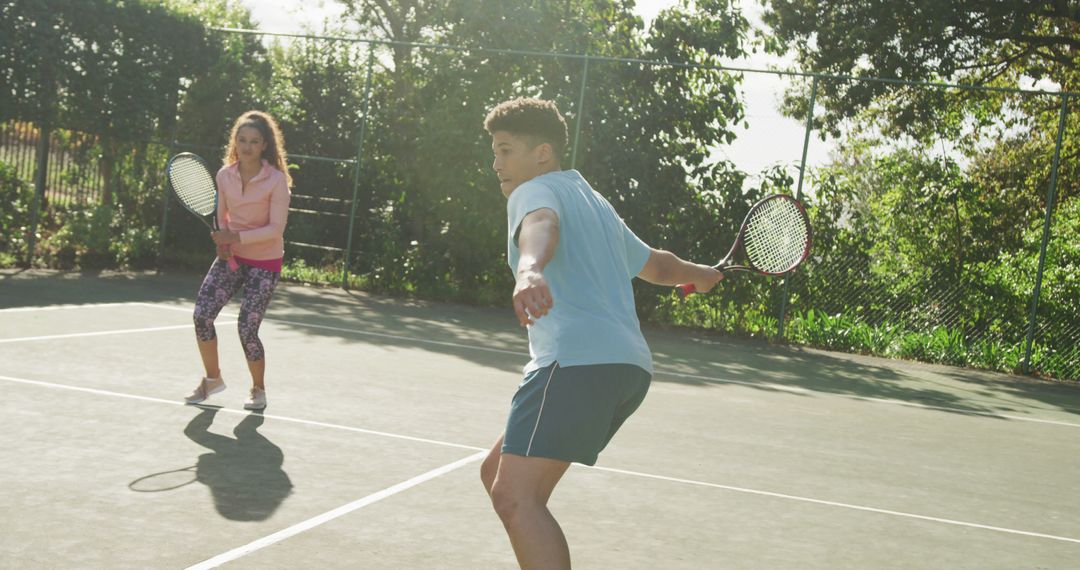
267	264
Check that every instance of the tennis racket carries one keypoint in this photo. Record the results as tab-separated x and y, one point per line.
195	188
774	239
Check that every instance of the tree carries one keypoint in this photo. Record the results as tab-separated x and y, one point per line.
982	42
1006	138
106	67
955	180
232	74
644	130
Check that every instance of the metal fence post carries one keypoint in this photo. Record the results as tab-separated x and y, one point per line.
356	170
40	174
798	196
1046	234
164	225
580	113
166	195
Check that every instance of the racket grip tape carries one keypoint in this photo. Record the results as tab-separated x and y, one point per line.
684	290
233	265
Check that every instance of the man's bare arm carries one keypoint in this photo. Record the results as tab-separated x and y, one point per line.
537	239
666	268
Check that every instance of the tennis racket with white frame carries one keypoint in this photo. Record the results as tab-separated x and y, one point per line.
195	188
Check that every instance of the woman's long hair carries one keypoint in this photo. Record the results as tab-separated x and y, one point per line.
271	133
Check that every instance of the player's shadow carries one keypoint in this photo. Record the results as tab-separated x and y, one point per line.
244	474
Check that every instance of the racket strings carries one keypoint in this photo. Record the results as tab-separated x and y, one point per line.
776	236
193	185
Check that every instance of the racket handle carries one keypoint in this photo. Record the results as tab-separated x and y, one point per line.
233	265
684	290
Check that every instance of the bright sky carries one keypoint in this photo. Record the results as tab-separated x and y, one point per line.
771	138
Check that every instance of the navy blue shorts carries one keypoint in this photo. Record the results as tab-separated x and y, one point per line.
572	413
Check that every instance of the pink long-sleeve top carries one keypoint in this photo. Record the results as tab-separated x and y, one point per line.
257	211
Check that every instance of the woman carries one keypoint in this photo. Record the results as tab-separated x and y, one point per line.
253	204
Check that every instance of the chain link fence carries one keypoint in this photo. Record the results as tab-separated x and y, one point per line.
887	279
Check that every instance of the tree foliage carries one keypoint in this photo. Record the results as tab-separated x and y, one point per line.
946	187
430	182
981	42
103	66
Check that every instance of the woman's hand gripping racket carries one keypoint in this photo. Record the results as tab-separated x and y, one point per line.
774	239
195	188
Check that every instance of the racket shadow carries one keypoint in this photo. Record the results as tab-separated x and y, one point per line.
244	473
164	481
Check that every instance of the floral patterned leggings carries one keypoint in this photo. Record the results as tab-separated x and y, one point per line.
219	286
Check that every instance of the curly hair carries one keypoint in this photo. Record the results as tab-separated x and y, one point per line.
537	119
275	148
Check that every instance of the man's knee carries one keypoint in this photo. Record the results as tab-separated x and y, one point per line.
507	503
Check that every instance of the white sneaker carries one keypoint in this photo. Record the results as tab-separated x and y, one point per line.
206	387
256	400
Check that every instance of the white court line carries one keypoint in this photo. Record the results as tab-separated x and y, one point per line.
103	333
65	307
963	411
333	514
368	333
238	412
806	391
365	333
482	451
186	309
841	505
398	337
770	385
98	305
658	370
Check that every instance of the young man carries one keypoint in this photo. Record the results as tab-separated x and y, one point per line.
574	259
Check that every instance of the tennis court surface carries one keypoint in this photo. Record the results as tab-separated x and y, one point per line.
743	455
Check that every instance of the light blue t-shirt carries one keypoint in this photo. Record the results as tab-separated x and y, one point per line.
593	320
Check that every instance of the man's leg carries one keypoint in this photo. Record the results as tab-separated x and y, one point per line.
520	494
490	466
